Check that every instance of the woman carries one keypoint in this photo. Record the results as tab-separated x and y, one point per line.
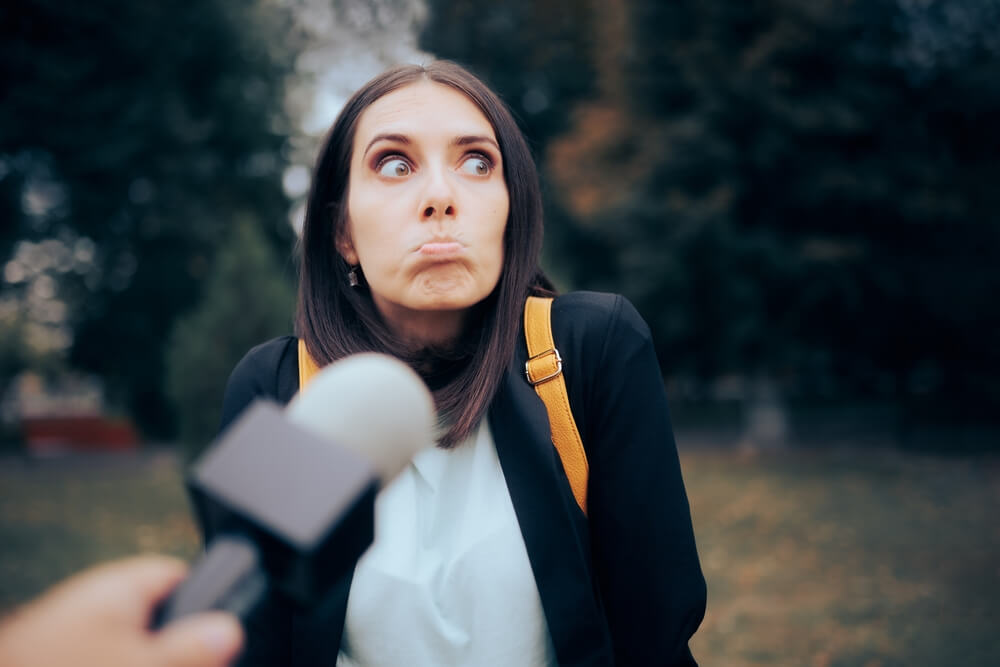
421	240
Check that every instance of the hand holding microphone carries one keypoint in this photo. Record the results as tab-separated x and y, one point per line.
290	499
98	618
289	496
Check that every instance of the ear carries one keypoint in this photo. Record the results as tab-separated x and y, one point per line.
345	246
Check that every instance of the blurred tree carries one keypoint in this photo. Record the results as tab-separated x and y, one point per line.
803	189
14	353
131	136
247	300
535	53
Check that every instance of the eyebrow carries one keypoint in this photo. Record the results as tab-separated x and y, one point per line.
458	141
475	139
398	138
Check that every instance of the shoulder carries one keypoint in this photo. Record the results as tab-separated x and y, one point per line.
261	365
271	352
591	318
584	303
268	370
598	336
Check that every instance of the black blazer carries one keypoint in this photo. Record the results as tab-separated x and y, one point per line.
620	586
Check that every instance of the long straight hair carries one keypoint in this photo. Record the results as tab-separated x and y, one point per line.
336	320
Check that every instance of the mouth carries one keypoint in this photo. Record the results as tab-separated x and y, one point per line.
440	248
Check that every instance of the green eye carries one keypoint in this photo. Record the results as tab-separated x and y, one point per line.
394	168
476	166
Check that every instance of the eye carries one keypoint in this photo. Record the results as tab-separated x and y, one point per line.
393	167
477	165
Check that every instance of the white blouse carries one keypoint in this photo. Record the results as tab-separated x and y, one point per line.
447	580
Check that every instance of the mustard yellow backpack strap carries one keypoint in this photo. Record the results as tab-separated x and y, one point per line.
544	371
307	366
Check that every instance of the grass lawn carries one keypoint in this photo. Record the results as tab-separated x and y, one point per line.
813	558
57	516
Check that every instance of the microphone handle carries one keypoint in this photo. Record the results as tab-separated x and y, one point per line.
227	577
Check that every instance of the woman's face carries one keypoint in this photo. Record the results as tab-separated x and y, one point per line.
427	205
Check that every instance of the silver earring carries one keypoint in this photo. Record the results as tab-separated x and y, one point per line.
352	277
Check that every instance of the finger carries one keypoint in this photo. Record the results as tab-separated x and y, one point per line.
144	579
211	639
134	586
131	585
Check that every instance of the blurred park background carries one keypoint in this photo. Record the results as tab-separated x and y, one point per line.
802	197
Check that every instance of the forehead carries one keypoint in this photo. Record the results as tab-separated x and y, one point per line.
423	108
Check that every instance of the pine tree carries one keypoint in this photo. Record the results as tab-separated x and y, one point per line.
247	300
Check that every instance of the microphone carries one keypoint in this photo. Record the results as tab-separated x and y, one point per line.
290	495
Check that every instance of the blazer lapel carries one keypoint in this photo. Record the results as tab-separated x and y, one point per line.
554	529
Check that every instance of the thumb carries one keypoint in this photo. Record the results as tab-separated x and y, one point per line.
210	639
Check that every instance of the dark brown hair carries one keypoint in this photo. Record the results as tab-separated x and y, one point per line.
337	320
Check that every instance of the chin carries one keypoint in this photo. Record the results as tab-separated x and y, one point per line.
450	292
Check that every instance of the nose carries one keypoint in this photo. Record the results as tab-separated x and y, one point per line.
438	201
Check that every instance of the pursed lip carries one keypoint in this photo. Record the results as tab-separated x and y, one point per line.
440	247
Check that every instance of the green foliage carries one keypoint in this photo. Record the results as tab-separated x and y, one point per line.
796	188
14	353
247	300
827	194
536	53
17	354
146	129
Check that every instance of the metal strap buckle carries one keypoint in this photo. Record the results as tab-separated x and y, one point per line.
527	367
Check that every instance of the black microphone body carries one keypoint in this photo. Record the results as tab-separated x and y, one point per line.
287	497
285	508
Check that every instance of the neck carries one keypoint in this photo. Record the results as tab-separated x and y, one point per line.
424	328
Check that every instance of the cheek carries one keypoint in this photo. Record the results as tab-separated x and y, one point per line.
500	226
497	233
371	237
